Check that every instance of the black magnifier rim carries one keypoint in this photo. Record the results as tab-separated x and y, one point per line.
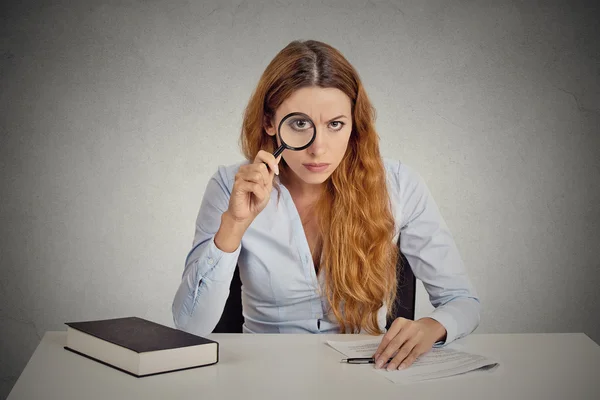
314	135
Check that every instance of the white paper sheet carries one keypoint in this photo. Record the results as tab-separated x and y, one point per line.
437	363
360	348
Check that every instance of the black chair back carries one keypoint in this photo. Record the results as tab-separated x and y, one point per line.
406	291
232	319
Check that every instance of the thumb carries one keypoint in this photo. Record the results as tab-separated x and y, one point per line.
276	171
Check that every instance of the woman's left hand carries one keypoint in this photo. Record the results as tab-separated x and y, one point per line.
407	339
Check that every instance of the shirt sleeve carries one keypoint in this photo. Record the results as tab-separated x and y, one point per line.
204	287
434	258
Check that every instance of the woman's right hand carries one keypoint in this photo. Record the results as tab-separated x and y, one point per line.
252	188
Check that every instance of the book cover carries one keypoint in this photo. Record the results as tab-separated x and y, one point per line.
138	334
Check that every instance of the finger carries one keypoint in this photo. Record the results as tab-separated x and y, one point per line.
404	351
389	335
251	187
393	347
267	158
277	160
266	173
244	186
264	170
411	358
257	175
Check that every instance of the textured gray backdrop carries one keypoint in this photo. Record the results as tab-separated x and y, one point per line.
115	114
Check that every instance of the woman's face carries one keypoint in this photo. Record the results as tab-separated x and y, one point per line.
330	109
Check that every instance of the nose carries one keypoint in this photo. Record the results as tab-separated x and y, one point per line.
319	146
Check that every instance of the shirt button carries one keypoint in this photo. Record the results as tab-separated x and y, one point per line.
210	261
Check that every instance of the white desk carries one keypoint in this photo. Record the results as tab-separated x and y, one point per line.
533	366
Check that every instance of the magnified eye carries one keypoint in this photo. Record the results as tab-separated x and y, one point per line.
300	124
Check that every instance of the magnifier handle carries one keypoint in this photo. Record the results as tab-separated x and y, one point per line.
278	151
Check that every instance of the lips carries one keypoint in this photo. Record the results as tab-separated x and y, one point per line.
316	167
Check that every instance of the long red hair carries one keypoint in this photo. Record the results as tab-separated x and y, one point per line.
356	225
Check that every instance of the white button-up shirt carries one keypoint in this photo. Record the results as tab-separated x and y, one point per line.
281	292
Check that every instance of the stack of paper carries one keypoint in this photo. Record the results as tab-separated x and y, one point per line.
437	363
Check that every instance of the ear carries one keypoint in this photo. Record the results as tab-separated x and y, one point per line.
268	126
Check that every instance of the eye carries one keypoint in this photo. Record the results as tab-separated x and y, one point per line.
339	125
300	124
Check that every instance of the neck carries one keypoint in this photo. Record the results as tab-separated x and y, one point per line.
302	190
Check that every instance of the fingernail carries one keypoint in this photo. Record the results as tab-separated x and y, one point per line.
402	366
391	367
276	170
379	364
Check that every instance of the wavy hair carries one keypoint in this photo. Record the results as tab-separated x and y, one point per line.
356	225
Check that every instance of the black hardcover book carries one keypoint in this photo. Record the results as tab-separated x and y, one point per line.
140	347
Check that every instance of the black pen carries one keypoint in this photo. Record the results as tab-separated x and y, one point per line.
361	360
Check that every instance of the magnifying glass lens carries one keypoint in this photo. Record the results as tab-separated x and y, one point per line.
297	131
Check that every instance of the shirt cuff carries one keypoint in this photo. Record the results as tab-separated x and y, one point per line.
205	266
448	322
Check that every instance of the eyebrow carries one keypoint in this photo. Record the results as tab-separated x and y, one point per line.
339	116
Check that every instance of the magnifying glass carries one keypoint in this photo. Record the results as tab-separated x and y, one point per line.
296	132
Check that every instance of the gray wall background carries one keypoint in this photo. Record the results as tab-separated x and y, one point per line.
115	114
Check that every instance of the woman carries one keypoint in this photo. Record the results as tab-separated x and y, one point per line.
314	233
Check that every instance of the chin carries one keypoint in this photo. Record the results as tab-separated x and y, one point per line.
314	179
